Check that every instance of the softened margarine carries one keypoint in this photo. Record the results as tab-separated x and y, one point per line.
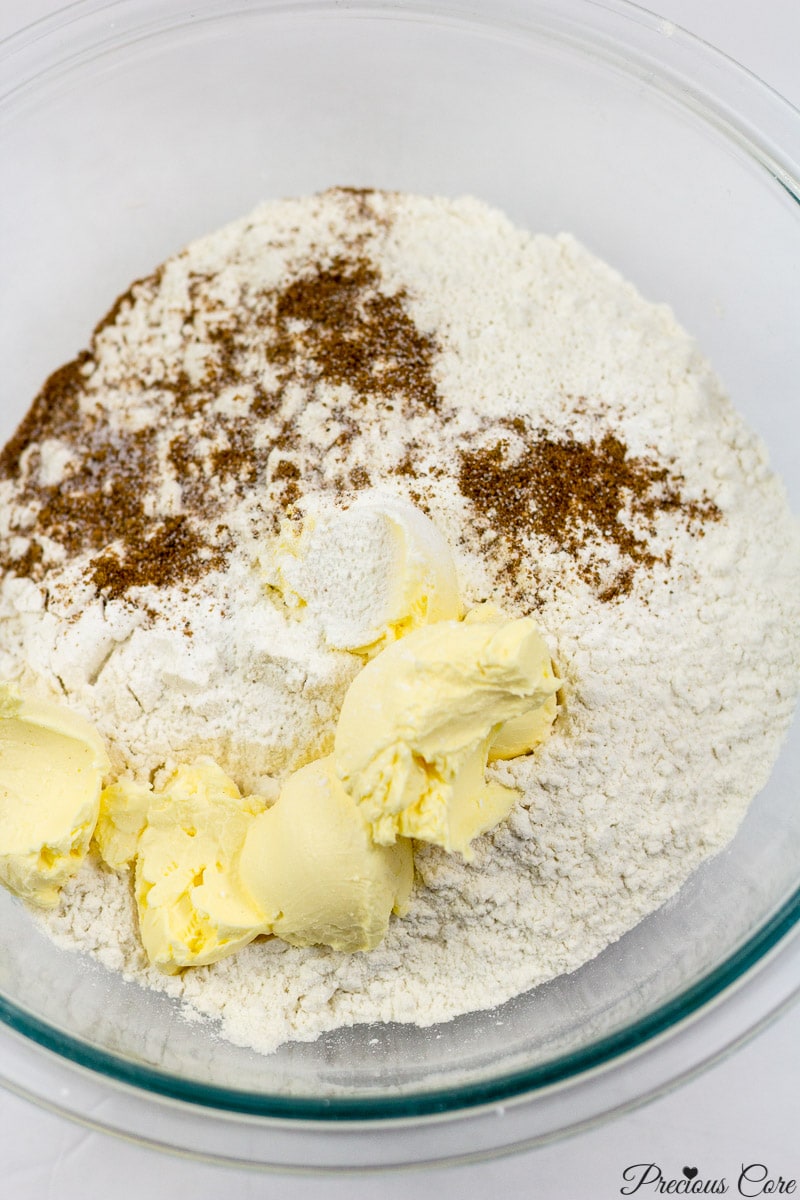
124	807
52	765
192	910
418	722
310	863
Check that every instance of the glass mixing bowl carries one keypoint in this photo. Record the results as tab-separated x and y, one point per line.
128	128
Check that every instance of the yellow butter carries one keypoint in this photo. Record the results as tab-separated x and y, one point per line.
313	870
192	907
123	815
524	733
417	723
52	765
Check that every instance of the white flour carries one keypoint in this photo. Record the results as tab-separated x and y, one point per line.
679	683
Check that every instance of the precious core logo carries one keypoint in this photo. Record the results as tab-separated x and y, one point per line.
754	1179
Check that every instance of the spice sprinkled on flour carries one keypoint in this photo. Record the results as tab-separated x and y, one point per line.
215	432
187	563
353	335
583	496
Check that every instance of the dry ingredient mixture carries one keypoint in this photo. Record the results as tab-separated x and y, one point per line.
580	459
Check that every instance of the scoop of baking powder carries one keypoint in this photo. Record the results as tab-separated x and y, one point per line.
368	574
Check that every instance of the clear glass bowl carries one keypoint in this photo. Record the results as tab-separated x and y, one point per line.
128	128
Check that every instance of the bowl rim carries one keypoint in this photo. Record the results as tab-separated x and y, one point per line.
701	78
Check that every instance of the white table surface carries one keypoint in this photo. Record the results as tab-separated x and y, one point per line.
744	1110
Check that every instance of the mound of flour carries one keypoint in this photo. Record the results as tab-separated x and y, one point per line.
581	460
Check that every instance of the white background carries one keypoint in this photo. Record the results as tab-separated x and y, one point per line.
745	1109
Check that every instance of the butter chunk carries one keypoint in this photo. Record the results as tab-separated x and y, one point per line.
52	765
123	816
368	574
524	733
192	907
418	722
312	868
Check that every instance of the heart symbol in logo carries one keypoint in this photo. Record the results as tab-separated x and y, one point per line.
690	1172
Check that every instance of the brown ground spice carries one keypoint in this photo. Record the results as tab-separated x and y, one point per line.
55	413
170	551
332	323
354	334
583	496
